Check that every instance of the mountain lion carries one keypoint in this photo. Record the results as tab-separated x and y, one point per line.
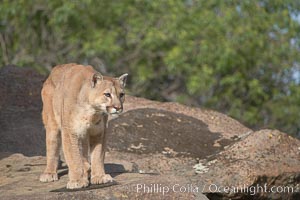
76	103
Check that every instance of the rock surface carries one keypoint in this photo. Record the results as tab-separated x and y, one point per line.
20	111
265	157
152	145
19	179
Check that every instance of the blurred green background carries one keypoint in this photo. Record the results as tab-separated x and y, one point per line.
238	57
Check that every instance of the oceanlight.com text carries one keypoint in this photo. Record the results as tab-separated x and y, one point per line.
211	188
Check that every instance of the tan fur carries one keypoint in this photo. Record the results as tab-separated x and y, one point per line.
75	112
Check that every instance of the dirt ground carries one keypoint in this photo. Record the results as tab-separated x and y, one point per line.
151	144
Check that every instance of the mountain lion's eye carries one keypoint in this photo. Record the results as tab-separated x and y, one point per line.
107	94
122	95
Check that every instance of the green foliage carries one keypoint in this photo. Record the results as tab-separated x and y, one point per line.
238	57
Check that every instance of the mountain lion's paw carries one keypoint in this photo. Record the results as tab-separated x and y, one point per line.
77	184
48	177
106	178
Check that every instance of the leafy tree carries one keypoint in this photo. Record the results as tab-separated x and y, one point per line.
238	57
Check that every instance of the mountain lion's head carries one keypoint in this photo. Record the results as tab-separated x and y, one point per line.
107	94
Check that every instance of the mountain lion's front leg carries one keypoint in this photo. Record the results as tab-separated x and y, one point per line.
98	143
72	146
52	144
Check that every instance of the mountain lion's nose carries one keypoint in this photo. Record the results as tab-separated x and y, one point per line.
118	108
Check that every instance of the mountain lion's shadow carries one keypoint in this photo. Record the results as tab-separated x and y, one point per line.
110	168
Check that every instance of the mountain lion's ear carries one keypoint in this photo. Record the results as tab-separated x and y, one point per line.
96	77
123	79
